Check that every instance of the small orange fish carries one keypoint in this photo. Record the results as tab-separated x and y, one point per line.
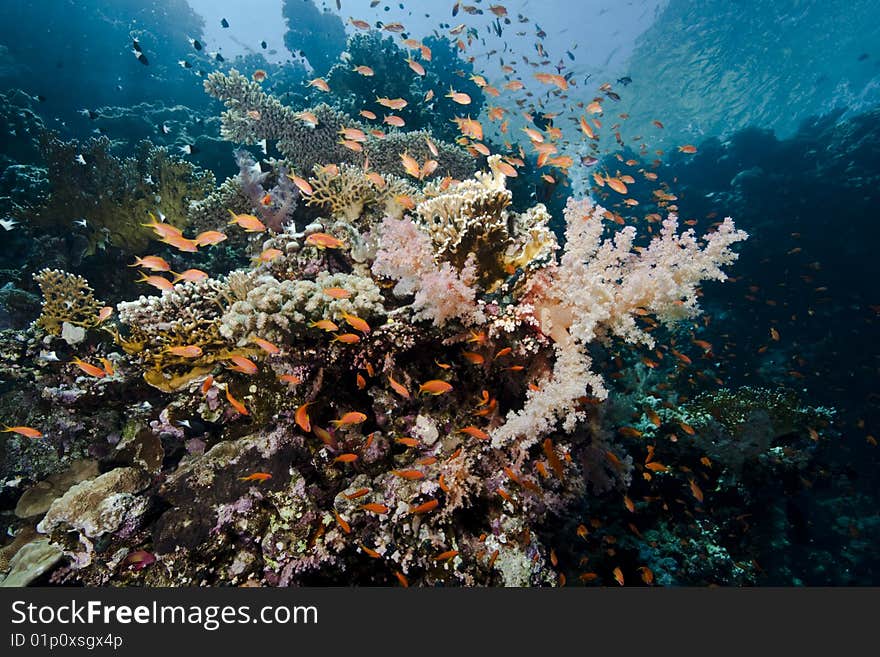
153	263
360	492
259	75
243	365
392	103
628	503
209	237
27	432
356	323
404	582
364	70
342	523
324	325
108	366
104	313
257	476
696	491
324	241
647	575
425	507
265	345
407	442
207	384
618	575
459	97
158	282
268	255
352	417
656	467
687	148
399	388
346	458
688	429
629	432
185	351
552	458
370	553
319	83
435	387
360	381
474	432
301	417
88	368
292	379
249	222
393	120
446	556
367	114
347	338
375	508
412	475
473	357
237	405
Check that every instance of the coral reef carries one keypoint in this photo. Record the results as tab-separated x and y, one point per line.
114	196
252	115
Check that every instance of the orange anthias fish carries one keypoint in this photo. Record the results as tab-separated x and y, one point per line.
412	475
265	345
346	458
88	368
352	417
153	263
425	507
292	379
181	243
209	237
301	417
324	325
618	575
459	97
347	338
27	432
687	148
392	103
243	365
324	241
399	388
375	508
435	387
249	222
237	405
186	351
474	432
356	323
257	476
336	292
158	282
190	275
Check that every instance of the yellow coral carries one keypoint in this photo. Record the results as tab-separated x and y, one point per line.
66	298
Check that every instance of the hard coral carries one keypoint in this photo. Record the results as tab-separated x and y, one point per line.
252	115
115	195
67	299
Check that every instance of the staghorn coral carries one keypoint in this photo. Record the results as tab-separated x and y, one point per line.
305	146
115	195
67	299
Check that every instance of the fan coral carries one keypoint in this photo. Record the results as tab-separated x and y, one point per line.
67	299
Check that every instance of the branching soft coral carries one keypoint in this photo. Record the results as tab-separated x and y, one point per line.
406	254
597	290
